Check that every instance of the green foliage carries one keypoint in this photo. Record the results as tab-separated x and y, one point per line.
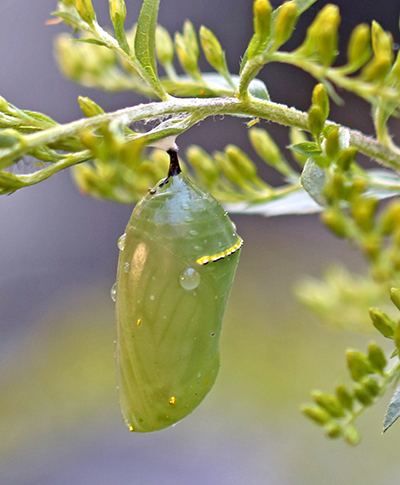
110	160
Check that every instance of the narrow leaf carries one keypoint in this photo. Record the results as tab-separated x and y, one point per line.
145	43
393	411
307	148
91	41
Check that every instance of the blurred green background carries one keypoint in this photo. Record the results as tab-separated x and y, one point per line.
60	421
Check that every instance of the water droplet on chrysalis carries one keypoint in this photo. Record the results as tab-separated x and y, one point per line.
192	232
127	267
113	292
152	297
121	242
188	219
189	279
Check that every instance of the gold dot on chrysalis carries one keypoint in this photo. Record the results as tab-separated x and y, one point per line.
172	400
139	322
130	428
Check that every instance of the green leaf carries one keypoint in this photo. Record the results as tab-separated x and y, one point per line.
393	411
313	180
145	44
306	148
91	41
297	202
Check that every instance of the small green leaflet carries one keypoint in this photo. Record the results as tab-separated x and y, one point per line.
393	411
145	45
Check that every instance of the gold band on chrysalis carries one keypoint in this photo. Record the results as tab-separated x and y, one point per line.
216	257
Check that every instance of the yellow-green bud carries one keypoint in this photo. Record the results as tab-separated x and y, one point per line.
285	22
3	104
190	37
227	168
352	436
327	35
85	10
390	219
262	19
316	414
332	142
359	50
203	164
212	49
345	398
382	42
186	56
333	430
242	162
316	120
117	9
89	107
382	322
265	146
363	210
362	394
320	98
395	296
377	69
336	221
329	403
370	385
372	244
396	336
346	158
164	46
358	364
376	356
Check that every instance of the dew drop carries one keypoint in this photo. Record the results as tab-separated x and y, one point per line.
192	232
127	267
113	292
199	374
188	219
152	297
185	207
198	248
189	279
234	226
121	242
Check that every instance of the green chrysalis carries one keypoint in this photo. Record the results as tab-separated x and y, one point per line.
178	258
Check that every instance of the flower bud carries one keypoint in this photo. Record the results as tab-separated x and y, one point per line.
212	49
384	324
262	19
362	394
377	356
320	98
363	210
332	142
395	296
345	398
203	163
358	364
333	430
352	436
285	21
359	50
164	46
316	414
117	9
329	403
336	221
89	107
85	10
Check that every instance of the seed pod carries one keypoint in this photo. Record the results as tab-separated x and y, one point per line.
176	267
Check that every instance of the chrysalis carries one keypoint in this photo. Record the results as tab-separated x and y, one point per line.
177	261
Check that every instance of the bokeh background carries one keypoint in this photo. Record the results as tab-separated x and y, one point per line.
60	422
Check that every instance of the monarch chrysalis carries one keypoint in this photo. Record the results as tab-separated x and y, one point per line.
177	261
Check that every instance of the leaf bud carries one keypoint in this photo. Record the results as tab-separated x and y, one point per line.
395	296
358	364
329	403
352	436
203	164
89	107
384	324
285	22
344	396
333	430
316	414
85	10
164	46
336	221
212	49
320	98
362	394
262	19
377	356
359	50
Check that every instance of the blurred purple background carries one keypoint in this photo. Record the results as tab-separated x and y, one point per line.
59	415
